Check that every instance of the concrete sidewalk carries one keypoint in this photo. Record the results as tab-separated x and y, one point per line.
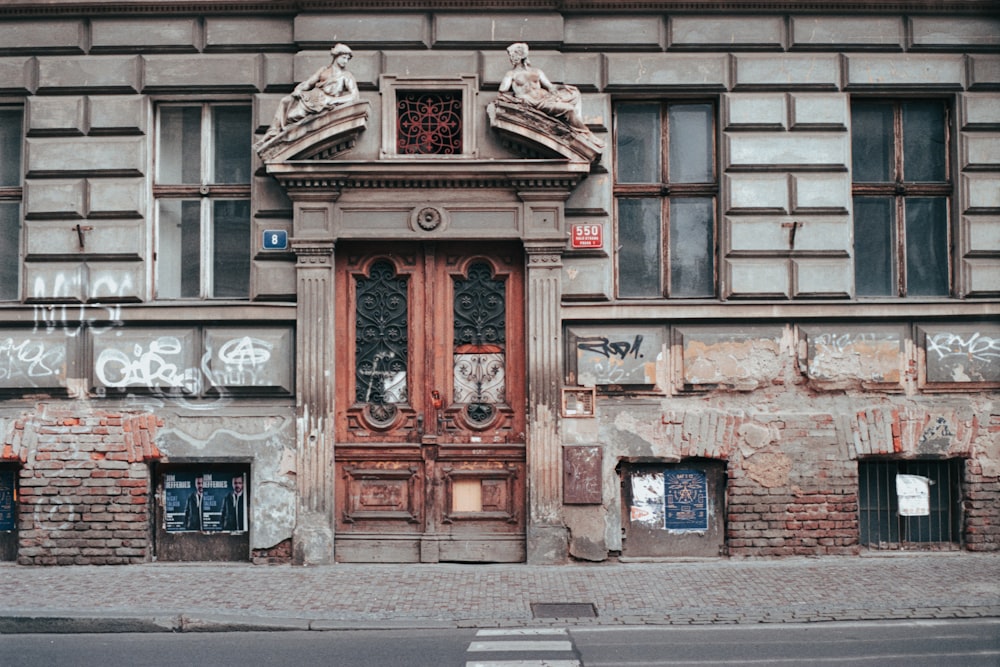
215	597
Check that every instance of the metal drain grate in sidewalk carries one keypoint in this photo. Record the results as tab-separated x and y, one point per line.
563	610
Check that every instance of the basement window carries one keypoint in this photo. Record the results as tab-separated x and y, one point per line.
906	504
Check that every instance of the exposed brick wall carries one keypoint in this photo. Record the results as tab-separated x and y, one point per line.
279	554
789	498
84	487
790	521
982	507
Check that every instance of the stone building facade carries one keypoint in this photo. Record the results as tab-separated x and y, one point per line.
751	309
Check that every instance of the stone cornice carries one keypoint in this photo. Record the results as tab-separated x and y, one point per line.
452	174
118	8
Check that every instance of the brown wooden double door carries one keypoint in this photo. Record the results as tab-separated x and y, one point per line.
430	453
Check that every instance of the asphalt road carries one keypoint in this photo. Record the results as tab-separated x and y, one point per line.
964	642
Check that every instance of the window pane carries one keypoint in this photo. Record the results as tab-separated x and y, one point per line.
692	247
179	156
231	244
640	247
232	135
691	143
10	261
872	142
10	146
926	246
924	141
874	243
178	266
637	146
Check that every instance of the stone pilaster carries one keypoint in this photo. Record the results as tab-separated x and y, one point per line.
313	536
547	535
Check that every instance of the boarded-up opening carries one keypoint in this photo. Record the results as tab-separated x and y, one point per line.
674	509
467	495
8	512
202	512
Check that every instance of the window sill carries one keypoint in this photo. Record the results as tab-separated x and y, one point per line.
757	310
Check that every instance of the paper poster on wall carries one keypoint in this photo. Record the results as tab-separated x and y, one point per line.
685	500
210	501
8	498
914	495
647	499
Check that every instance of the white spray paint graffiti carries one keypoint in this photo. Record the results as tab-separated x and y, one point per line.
44	519
242	361
159	366
70	284
30	362
149	367
73	320
865	356
955	357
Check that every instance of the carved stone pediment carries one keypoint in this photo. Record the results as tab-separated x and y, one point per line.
540	132
321	137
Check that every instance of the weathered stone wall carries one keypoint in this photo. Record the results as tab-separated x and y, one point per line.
791	421
789	399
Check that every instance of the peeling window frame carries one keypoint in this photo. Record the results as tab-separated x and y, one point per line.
208	193
11	196
901	191
666	191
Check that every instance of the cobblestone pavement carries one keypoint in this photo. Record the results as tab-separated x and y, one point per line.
193	596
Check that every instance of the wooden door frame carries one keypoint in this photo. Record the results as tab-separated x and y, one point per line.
403	477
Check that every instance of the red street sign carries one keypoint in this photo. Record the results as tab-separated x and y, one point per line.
588	236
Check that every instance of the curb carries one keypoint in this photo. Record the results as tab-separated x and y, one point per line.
66	624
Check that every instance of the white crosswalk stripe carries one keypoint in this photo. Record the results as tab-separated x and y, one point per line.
545	641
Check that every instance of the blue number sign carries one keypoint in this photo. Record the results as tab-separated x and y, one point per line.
275	239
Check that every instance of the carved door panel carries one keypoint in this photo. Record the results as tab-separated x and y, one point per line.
430	403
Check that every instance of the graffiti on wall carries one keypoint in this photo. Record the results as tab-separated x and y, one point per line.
30	362
621	356
870	356
963	356
741	359
174	364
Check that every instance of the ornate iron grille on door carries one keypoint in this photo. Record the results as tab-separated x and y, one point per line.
381	342
480	337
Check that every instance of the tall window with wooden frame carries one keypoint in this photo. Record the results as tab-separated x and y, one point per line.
902	189
202	192
666	186
11	139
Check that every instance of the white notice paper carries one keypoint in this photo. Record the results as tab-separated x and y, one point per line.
914	495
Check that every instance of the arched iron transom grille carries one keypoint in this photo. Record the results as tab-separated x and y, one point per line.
480	337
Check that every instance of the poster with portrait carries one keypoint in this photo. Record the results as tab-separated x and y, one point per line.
207	500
